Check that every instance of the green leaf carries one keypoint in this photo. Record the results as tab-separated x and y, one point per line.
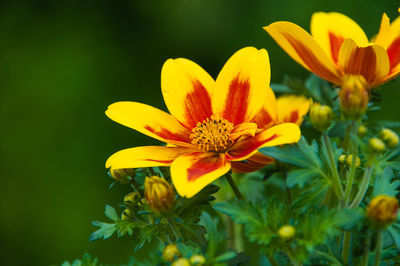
281	88
225	257
212	234
111	213
86	261
383	184
300	177
349	219
106	230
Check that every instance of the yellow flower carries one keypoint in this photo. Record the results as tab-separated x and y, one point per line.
286	232
212	123
170	252
382	210
338	48
159	194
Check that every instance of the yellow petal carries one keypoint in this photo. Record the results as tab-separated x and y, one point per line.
190	173
146	156
150	121
187	90
331	29
292	108
241	86
384	36
277	135
371	62
303	49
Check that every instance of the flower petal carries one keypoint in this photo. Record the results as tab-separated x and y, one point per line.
241	86
187	89
303	49
292	108
331	29
146	156
268	113
150	121
255	162
383	37
190	173
245	129
371	62
277	135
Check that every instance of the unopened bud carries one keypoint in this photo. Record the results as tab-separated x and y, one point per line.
122	175
286	232
377	145
362	130
354	96
349	161
320	116
181	262
197	260
132	198
389	137
170	252
382	210
160	195
126	215
342	159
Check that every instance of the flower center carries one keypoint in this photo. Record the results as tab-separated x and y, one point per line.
212	135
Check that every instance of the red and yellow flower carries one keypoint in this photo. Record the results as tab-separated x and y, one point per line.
338	49
212	124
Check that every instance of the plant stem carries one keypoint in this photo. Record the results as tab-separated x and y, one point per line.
350	179
366	251
346	246
337	185
272	261
290	255
238	240
363	188
173	228
378	247
233	186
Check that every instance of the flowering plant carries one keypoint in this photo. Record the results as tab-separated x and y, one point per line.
236	182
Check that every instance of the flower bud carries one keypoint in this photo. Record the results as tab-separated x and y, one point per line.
389	137
362	130
181	262
349	161
286	232
354	96
320	116
170	252
122	175
197	260
382	210
377	145
126	215
342	159
132	198
160	195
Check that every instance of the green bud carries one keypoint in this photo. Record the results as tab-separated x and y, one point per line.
170	252
197	260
389	137
377	145
181	262
286	232
320	116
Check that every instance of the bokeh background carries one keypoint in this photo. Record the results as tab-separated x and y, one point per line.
63	62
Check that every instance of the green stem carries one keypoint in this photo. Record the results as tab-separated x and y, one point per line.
378	247
337	185
173	228
289	252
272	261
238	237
363	188
366	251
233	186
346	246
353	169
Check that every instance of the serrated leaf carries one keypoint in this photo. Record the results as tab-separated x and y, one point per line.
348	219
106	230
111	213
383	184
300	177
212	234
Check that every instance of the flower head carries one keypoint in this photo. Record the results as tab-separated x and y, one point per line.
212	123
382	210
338	48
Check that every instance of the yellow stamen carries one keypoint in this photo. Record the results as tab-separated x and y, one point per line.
213	134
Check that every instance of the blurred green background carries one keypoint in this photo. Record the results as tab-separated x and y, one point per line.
63	62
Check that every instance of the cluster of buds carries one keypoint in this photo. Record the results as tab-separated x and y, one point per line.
172	254
321	116
348	160
390	138
354	96
123	176
382	210
286	232
159	194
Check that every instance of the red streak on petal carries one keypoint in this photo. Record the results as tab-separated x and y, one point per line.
197	105
168	135
248	146
308	57
160	161
394	53
294	116
362	61
203	166
262	119
335	43
237	101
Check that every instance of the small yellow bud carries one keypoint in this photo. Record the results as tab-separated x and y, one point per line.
320	116
342	158
170	252
197	260
362	130
354	96
389	137
181	262
122	175
286	232
349	161
382	210
377	145
132	197
126	215
160	195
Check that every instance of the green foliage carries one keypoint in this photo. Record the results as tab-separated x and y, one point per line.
86	260
385	185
